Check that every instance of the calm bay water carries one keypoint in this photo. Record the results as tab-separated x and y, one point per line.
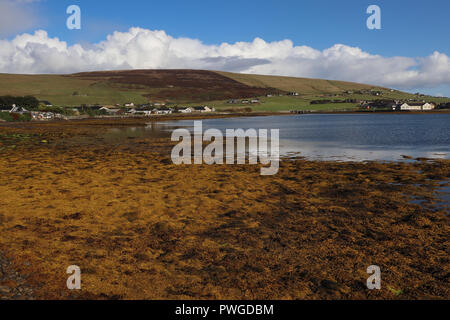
341	137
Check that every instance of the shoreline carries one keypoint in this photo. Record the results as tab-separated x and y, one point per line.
106	120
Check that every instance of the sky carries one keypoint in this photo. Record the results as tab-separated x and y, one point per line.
304	38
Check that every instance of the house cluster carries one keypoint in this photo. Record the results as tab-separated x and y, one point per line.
15	109
201	109
35	115
245	101
414	106
130	109
150	109
399	106
42	116
270	95
147	111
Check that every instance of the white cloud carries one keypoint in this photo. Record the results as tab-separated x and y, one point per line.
141	49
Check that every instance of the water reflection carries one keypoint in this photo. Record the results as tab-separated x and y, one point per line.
328	137
346	137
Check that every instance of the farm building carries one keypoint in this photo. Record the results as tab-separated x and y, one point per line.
203	109
185	110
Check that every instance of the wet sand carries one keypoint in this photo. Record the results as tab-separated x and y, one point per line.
140	227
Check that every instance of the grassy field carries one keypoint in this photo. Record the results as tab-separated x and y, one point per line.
60	90
303	103
276	104
193	87
303	85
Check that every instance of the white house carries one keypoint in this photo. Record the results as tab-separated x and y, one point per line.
129	105
428	106
16	109
109	111
162	111
185	110
417	106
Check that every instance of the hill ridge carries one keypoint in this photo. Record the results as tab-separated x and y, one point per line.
180	86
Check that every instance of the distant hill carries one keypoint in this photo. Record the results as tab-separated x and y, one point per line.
178	86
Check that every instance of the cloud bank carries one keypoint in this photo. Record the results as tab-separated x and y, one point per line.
147	49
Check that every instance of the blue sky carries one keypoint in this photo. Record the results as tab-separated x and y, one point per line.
410	29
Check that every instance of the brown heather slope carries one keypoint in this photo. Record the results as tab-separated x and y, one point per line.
179	85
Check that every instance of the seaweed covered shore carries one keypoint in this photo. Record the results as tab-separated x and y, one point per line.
140	227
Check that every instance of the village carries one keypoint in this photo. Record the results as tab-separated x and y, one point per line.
28	108
126	110
398	105
129	109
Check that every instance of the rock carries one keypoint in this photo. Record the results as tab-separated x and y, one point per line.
4	290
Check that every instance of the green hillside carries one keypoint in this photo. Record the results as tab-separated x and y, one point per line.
192	87
301	85
67	91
